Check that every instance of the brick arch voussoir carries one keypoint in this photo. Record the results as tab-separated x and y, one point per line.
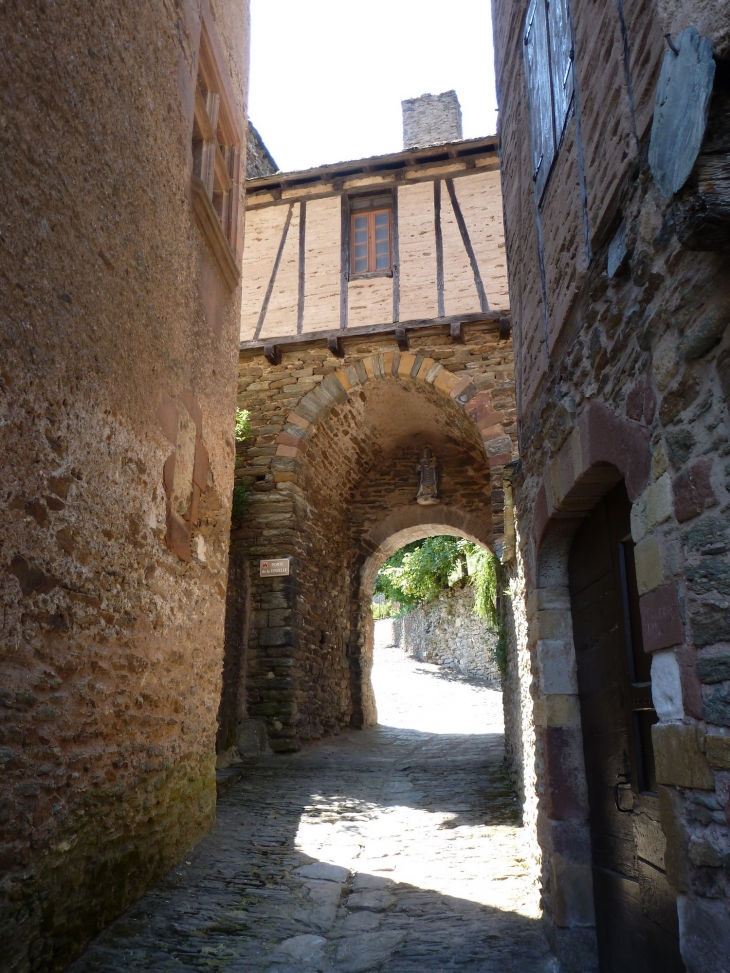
336	388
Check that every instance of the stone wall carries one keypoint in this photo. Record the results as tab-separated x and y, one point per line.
430	119
259	161
117	391
448	633
334	484
621	375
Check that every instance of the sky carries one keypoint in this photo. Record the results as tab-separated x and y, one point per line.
328	76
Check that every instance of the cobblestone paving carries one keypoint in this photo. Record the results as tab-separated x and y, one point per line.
393	850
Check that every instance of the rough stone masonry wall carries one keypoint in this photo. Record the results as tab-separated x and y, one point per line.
448	633
636	387
324	476
430	119
111	646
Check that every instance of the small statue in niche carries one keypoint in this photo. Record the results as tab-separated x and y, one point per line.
428	492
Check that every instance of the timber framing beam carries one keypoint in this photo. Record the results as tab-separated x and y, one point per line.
272	348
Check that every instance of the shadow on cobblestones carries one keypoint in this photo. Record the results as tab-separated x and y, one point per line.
392	849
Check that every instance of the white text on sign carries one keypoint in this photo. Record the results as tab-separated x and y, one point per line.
274	567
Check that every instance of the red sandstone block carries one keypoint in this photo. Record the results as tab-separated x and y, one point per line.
285	439
607	437
564	773
490	418
500	460
661	621
693	491
461	385
298	420
492	432
479	406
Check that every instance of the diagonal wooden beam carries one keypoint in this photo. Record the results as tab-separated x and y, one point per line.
274	271
439	246
461	222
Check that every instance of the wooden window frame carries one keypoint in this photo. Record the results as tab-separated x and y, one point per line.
370	212
216	146
549	67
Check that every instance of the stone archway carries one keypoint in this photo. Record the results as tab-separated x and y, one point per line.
341	478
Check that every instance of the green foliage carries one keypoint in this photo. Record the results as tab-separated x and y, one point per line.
386	609
241	488
500	649
417	572
241	491
483	567
243	425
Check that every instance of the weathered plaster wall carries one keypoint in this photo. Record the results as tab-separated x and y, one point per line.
448	633
333	482
118	345
634	387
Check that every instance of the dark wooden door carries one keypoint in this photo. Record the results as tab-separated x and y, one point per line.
636	913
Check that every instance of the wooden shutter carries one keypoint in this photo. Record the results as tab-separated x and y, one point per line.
537	70
561	62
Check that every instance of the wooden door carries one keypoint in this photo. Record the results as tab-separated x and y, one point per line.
636	913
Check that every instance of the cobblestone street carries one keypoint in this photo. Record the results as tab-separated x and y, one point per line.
394	849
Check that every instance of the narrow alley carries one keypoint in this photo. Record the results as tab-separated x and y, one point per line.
395	849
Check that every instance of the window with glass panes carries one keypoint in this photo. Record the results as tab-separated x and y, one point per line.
370	241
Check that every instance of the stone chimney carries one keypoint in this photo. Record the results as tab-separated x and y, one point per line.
431	119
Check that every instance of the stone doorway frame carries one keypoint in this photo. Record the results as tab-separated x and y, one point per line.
602	449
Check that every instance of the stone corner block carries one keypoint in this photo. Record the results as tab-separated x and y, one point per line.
666	686
541	599
556	666
679	757
648	559
557	709
572	893
717	748
671	806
